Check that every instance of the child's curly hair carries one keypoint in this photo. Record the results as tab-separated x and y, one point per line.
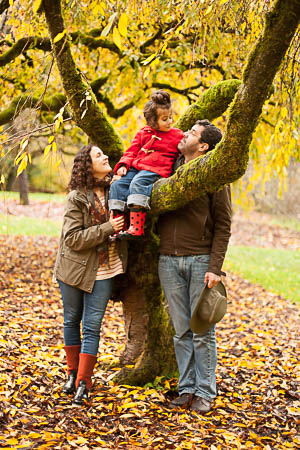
159	99
82	170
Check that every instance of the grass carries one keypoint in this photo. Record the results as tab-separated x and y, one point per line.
33	196
29	226
276	270
286	222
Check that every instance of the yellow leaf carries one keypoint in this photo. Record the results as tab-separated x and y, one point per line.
149	59
146	73
81	440
54	147
122	25
283	112
106	30
12	441
129	405
57	164
51	139
117	38
17	160
47	150
209	9
22	166
2	180
34	435
36	5
11	2
59	36
24	144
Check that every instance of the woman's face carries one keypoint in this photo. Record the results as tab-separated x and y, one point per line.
100	163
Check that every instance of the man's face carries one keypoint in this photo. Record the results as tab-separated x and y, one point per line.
190	146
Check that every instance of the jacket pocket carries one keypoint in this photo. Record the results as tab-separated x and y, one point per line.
72	267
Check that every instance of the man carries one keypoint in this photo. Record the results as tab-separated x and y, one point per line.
193	243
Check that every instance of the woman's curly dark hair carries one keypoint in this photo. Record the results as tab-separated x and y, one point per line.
82	170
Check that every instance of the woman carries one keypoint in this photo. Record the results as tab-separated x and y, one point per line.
86	264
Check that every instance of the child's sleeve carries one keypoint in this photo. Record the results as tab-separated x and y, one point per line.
131	153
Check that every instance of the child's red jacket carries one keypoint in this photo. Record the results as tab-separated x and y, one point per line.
152	150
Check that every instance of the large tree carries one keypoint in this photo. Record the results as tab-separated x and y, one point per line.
125	49
149	332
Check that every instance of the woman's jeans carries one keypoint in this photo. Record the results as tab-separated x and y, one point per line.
134	188
182	278
79	306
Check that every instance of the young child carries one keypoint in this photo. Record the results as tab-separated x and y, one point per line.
150	156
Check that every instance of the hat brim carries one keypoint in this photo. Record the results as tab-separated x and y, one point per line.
197	325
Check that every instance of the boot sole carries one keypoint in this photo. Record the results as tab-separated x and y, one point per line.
130	237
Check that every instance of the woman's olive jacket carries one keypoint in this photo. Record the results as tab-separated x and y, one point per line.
77	258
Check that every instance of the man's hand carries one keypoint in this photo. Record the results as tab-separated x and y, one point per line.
122	171
212	279
117	223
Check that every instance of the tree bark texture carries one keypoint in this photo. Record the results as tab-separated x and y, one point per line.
88	114
147	322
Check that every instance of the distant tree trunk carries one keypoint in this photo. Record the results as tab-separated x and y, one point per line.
225	164
23	188
11	177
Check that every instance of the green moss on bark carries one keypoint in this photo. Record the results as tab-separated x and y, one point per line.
88	116
212	104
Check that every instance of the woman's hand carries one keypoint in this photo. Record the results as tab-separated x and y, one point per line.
122	171
117	223
115	178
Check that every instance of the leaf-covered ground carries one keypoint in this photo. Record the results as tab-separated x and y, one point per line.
257	406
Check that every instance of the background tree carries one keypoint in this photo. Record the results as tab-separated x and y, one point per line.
224	165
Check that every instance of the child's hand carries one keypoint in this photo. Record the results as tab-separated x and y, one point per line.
122	171
117	223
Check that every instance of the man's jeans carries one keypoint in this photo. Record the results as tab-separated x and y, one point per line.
134	188
88	308
182	278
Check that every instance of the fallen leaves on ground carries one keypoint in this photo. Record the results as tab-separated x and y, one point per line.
257	404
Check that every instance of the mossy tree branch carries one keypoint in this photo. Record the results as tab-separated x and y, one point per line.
92	120
229	160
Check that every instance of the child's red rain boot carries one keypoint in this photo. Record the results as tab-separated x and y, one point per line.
135	231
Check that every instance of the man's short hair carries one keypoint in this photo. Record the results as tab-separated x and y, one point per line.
211	135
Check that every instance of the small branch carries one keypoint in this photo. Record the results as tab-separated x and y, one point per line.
29	133
184	91
151	40
111	110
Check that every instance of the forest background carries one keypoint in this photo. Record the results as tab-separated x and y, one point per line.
125	51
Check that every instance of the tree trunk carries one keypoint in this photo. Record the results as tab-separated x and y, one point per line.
225	164
23	188
87	115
